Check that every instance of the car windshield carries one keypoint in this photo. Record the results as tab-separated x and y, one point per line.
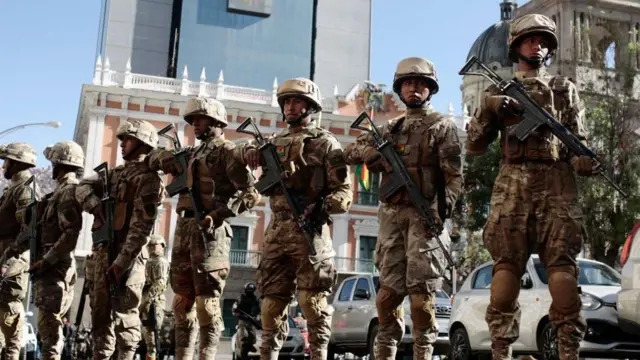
590	274
442	295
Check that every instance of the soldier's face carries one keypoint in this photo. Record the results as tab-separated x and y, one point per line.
534	46
414	91
294	108
201	125
127	146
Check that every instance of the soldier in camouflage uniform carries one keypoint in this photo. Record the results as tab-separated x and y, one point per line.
59	222
407	254
313	159
18	158
225	188
534	205
137	191
156	283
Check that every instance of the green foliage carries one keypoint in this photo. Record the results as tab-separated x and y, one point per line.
480	173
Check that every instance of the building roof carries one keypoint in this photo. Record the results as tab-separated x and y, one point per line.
491	46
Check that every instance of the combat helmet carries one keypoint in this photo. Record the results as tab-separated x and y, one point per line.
303	88
531	24
210	108
250	287
157	239
65	153
20	152
416	67
139	129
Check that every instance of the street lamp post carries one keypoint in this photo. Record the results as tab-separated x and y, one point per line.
53	124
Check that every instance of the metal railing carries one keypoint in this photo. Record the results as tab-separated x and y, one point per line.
368	198
251	259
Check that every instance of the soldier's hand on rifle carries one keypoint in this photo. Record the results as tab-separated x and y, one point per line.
252	158
3	270
584	165
170	164
35	268
114	274
98	218
503	105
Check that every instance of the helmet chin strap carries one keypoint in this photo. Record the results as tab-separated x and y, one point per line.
534	61
299	119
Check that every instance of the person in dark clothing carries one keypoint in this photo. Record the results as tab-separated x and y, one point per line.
247	305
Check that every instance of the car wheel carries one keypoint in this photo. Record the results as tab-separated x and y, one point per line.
460	346
548	343
371	342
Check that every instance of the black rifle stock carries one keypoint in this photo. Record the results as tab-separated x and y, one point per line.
179	184
31	232
275	176
105	234
399	178
73	337
534	116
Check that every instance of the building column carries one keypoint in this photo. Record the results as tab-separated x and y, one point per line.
340	234
119	159
173	221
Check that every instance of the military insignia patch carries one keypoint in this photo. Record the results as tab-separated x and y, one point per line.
280	150
400	148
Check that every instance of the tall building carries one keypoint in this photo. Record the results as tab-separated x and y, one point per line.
251	41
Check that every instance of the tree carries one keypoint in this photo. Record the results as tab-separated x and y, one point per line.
607	83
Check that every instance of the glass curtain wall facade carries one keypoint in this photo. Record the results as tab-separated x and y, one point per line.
250	49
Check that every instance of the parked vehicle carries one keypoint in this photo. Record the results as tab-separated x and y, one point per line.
294	346
29	341
469	334
629	296
355	319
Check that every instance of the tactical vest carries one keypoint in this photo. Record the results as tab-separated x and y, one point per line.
552	93
213	190
124	182
49	220
416	144
303	161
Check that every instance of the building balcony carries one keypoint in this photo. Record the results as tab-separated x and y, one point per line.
345	265
368	198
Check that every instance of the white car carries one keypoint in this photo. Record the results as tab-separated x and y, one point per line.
629	296
29	341
469	334
294	346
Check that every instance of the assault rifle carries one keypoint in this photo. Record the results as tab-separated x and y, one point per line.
73	336
199	212
399	178
105	233
244	316
31	233
152	322
274	175
178	185
534	116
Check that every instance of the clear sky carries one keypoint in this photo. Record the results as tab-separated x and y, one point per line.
48	51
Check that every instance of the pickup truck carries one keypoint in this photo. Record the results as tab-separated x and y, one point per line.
355	319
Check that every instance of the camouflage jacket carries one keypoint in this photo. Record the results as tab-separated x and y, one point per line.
138	191
556	94
13	204
225	185
430	149
313	159
157	276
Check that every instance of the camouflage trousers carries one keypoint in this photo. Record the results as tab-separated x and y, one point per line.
285	263
12	317
13	290
534	209
115	321
246	338
54	291
198	281
147	332
410	262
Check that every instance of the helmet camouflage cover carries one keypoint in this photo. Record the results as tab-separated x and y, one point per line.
156	239
208	107
416	67
303	88
531	24
139	129
65	153
20	152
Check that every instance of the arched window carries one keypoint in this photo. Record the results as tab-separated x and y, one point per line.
610	56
